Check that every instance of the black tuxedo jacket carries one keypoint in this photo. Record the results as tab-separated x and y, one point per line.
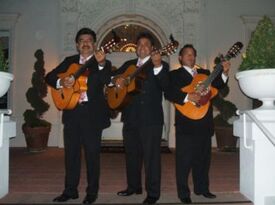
178	79
97	105
145	107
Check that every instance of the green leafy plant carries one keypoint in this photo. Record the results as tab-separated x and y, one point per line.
36	93
260	52
4	66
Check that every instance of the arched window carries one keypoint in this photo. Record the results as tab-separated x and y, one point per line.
130	33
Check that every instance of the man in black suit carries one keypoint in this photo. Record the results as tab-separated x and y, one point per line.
83	125
143	121
193	137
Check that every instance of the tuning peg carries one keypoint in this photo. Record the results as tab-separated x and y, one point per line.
172	38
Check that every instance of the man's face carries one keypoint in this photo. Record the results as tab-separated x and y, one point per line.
144	48
188	57
85	45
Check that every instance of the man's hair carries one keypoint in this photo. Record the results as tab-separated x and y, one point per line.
85	31
146	35
187	46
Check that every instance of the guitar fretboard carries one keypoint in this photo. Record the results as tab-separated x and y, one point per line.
217	70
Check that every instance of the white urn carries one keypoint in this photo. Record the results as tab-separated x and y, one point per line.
259	84
5	81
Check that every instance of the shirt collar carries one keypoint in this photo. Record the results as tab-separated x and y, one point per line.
83	60
144	60
188	69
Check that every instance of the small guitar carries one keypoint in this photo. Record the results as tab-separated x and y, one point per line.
201	84
67	98
118	98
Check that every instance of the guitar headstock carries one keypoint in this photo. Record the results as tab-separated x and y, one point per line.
114	42
170	48
234	50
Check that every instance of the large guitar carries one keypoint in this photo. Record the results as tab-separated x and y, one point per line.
118	98
67	98
201	84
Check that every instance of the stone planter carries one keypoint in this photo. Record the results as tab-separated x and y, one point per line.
5	81
36	138
259	84
226	142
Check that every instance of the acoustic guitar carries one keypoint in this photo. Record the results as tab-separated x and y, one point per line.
201	84
118	98
67	98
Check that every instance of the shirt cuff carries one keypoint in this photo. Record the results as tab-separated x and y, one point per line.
58	86
185	99
100	67
157	70
111	84
224	77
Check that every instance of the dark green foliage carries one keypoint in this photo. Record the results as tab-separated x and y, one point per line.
3	60
36	93
260	52
226	108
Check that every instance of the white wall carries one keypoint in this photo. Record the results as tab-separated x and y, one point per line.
37	27
212	27
224	27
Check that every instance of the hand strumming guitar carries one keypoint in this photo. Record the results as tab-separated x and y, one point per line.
120	82
226	66
194	97
67	82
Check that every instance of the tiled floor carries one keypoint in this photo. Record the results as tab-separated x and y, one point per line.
39	177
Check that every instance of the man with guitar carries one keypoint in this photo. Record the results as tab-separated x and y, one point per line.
143	120
84	123
193	136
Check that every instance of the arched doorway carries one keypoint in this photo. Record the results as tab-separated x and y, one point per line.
128	28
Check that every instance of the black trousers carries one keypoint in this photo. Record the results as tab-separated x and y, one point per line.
79	132
142	143
192	153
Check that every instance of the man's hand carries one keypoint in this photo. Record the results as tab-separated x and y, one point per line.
226	66
194	97
67	82
156	58
120	82
100	57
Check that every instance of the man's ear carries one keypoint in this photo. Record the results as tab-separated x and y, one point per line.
180	59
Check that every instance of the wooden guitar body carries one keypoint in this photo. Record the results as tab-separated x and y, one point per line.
67	98
118	98
197	111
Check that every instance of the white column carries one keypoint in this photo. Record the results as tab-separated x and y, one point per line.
7	130
257	156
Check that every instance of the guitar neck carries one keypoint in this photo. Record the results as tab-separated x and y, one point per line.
218	68
105	48
137	71
84	67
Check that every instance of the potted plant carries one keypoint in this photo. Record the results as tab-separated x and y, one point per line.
257	74
5	77
35	128
223	122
